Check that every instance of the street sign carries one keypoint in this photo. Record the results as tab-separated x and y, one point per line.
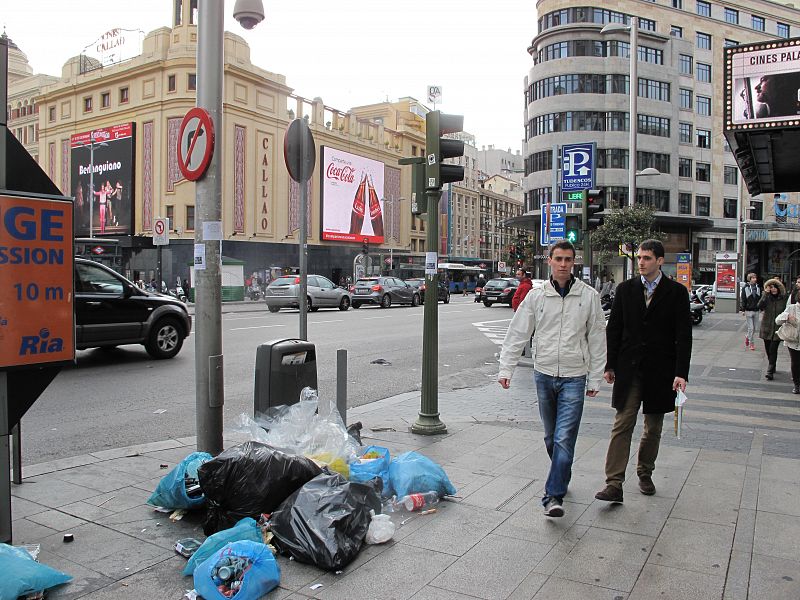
98	250
195	143
558	221
299	153
161	232
501	266
577	166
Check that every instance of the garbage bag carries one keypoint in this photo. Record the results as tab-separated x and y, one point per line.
250	479
262	575
171	490
381	529
23	575
324	522
373	462
246	529
413	473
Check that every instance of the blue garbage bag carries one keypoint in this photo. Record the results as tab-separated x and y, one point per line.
246	529
413	473
23	575
263	575
364	469
171	490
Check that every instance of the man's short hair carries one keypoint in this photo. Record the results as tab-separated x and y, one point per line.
562	245
749	275
654	246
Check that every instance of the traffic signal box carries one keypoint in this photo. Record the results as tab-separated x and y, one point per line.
438	148
591	209
419	203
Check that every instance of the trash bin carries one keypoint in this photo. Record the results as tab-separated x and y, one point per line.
283	369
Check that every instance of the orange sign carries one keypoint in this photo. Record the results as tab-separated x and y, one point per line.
36	279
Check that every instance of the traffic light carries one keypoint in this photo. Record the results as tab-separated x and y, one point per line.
438	148
574	236
591	209
419	203
365	247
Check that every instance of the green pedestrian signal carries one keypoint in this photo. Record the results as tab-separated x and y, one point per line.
573	235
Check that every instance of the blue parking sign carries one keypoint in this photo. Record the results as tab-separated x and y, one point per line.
553	224
577	166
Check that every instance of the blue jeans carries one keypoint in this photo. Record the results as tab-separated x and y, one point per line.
560	407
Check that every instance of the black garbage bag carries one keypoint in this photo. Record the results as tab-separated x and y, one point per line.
325	521
250	479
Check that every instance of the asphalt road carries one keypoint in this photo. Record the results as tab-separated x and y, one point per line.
123	397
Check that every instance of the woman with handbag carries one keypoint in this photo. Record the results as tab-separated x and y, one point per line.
772	304
789	331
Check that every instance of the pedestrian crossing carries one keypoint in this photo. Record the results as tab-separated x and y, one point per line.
494	330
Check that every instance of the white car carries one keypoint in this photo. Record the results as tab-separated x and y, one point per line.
284	292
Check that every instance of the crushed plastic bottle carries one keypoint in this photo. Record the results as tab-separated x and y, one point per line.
413	502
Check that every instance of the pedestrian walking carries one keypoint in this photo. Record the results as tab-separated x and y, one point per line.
791	315
795	292
771	304
649	337
525	286
567	324
748	302
465	281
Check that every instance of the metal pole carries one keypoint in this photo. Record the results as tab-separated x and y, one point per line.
744	248
341	383
91	184
16	453
302	300
159	275
5	474
3	110
210	395
739	223
633	86
428	422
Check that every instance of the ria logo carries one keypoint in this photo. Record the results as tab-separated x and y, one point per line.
40	344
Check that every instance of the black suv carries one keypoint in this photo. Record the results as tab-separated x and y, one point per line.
112	311
499	290
418	283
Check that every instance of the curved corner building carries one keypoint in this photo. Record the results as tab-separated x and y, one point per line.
578	91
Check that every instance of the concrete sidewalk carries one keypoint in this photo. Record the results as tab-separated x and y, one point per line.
724	523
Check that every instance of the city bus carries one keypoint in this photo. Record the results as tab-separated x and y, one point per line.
455	274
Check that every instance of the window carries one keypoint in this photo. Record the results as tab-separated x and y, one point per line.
685	133
87	104
191	83
105	100
730	245
51	114
703	172
716	244
729	208
685	167
685	97
190	218
655	199
685	64
758	23
702	207
728	43
685	203
171	85
783	30
676	31
94	280
703	138
654	160
123	95
702	243
731	175
171	216
758	213
703	72
703	8
677	3
610	158
647	24
651	125
651	55
703	41
655	90
732	16
703	104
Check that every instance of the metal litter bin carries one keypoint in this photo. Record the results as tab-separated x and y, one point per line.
283	369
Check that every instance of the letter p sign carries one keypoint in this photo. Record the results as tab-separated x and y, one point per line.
577	166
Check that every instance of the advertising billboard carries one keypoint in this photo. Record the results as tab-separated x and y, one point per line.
350	188
105	158
762	85
726	275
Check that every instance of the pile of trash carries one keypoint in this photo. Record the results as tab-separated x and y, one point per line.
302	486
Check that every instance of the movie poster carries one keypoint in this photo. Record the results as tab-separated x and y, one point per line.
102	176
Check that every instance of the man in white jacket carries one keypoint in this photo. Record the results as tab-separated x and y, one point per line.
568	327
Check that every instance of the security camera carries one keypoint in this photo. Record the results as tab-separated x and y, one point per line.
249	13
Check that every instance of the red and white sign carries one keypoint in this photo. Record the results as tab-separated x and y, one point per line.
195	143
352	197
98	250
161	232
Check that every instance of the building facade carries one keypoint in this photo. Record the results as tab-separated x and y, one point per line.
578	91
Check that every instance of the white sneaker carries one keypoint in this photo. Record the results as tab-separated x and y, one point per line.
553	508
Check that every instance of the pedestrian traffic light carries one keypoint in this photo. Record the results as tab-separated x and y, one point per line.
438	148
592	209
574	236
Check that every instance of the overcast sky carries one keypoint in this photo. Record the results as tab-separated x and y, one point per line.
348	52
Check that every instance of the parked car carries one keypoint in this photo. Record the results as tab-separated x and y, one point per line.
384	291
419	284
500	290
111	311
284	292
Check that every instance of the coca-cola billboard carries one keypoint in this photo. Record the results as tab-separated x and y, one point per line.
351	194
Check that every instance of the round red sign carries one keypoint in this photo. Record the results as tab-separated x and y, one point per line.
195	143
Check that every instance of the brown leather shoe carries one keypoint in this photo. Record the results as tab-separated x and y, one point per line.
609	494
646	485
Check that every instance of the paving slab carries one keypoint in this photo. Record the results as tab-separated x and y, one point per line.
667	583
717	475
50	491
640	514
693	546
778	496
498	492
698	503
56	520
564	589
777	535
529	523
669	482
430	592
772	577
98	476
84	579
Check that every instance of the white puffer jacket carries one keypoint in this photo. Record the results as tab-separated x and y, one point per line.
569	334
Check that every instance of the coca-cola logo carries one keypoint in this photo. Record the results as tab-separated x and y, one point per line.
100	134
345	174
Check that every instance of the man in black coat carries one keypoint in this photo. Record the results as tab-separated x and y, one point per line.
649	340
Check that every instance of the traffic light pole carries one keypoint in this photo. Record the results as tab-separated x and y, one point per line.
587	247
428	422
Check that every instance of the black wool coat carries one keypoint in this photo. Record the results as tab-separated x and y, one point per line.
654	341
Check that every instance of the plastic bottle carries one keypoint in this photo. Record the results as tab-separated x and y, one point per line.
413	502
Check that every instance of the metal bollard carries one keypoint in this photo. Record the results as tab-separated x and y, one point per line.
341	383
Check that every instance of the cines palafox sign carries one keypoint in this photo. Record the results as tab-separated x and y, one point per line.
104	159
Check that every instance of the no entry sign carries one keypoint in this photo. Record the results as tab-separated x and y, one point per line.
195	143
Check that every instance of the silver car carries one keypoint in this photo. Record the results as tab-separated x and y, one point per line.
284	292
